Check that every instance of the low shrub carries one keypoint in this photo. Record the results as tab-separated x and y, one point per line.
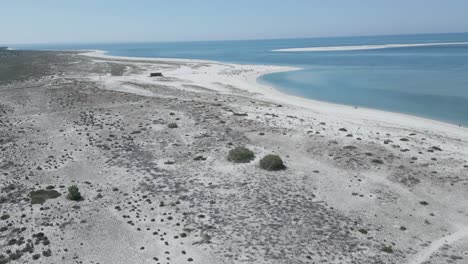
272	163
40	196
172	125
74	193
241	155
387	249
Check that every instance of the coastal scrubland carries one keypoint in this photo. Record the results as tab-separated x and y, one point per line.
101	163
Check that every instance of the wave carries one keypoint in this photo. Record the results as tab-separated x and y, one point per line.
367	47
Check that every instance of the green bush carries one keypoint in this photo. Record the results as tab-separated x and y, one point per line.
272	163
172	125
74	193
241	155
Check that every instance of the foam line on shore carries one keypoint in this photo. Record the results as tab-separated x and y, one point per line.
367	47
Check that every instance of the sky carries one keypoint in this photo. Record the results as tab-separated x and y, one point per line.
95	21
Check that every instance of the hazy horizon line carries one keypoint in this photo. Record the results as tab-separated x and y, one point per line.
222	40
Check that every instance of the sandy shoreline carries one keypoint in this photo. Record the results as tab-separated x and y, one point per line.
368	47
344	111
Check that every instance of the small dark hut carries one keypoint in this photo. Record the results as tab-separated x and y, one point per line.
156	74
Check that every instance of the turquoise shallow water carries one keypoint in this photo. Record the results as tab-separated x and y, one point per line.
427	81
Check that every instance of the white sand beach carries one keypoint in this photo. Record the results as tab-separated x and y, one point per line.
245	77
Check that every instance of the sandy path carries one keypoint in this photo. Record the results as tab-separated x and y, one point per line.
425	254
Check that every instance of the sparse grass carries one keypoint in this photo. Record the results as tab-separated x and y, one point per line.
172	125
272	163
241	155
74	193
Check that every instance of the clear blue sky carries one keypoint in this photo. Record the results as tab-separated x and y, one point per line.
51	21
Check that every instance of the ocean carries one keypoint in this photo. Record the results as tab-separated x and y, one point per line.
430	81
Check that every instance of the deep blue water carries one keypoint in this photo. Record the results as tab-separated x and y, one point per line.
429	81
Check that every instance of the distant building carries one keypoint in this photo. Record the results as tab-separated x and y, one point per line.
156	74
